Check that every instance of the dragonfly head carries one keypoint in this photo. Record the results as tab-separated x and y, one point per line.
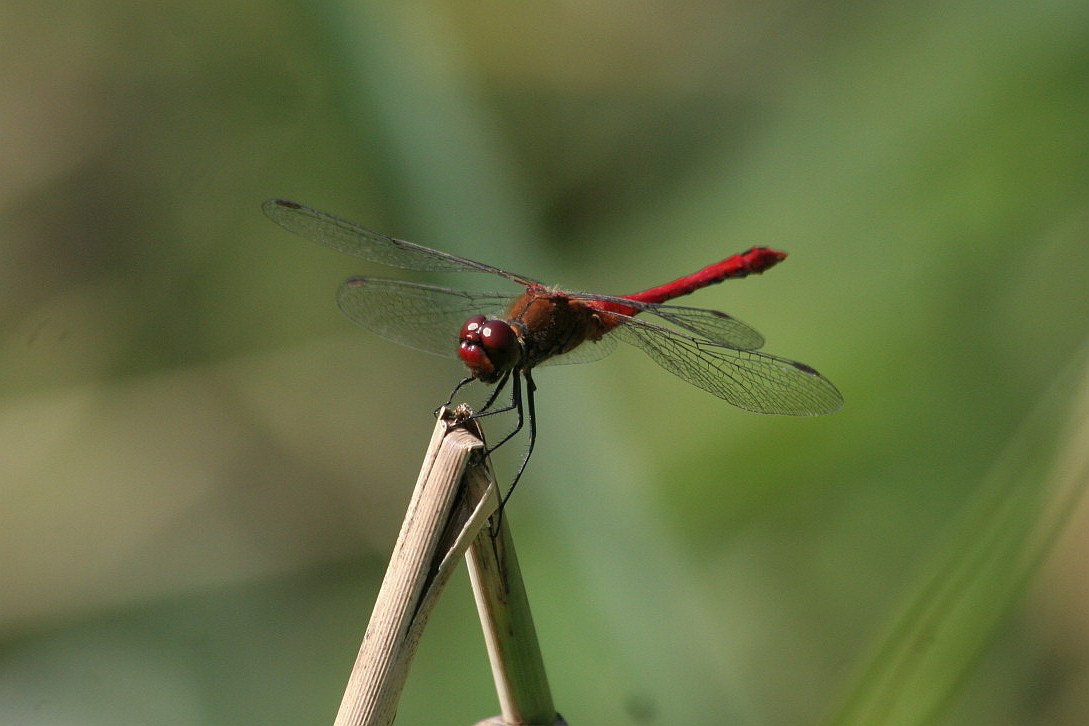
489	348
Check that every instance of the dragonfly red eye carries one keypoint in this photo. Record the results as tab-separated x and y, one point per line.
488	347
499	340
474	356
470	330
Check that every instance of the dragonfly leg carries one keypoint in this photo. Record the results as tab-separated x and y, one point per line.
487	404
520	406
454	392
495	394
531	387
516	404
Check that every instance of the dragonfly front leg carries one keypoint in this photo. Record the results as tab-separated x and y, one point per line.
454	392
487	404
495	394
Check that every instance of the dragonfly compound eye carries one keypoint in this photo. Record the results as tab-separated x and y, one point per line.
500	342
488	347
471	329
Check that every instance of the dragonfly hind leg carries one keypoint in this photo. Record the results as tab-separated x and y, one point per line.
516	404
531	387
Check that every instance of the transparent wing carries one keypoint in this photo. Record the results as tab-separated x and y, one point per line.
345	236
424	317
711	324
588	352
429	318
702	322
745	378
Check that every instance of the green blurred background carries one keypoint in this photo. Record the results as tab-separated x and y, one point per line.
203	465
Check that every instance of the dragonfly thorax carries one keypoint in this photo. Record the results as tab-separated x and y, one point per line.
489	348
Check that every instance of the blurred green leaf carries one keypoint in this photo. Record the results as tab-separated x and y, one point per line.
981	568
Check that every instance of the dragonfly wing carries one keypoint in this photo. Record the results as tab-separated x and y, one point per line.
345	236
711	324
745	378
702	322
424	317
588	352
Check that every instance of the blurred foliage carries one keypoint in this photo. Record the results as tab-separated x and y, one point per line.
204	465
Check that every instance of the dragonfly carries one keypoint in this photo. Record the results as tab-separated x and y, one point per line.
502	336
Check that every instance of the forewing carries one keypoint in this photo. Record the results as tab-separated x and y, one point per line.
745	378
345	236
424	317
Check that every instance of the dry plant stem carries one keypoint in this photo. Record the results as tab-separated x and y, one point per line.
436	532
515	654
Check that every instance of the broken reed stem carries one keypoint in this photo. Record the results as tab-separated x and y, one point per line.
513	650
427	549
447	516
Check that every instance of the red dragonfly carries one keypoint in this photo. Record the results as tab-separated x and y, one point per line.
502	336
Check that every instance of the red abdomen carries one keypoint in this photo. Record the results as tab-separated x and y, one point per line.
750	262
